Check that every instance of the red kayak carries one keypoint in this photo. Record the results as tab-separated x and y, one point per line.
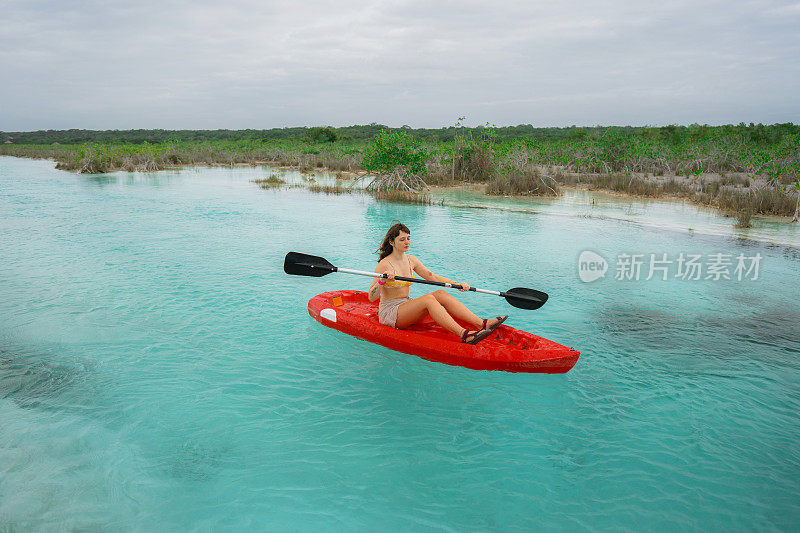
505	349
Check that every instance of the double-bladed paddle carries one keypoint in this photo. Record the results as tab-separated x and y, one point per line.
310	265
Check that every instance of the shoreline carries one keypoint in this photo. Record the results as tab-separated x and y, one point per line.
685	225
481	189
348	175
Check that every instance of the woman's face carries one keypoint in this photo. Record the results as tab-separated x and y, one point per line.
402	242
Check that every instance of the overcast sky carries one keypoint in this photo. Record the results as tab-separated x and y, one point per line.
261	64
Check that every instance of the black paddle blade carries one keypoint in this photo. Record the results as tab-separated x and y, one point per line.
306	265
525	298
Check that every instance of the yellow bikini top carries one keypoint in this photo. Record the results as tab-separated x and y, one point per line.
395	284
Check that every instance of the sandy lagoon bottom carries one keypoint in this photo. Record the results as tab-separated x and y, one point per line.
159	371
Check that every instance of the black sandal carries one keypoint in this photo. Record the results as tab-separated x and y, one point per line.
474	336
500	320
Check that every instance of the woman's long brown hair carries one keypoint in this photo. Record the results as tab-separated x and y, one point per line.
386	247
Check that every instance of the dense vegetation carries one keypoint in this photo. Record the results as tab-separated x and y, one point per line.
758	133
743	169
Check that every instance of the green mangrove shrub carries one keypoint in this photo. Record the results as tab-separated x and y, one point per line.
392	150
398	160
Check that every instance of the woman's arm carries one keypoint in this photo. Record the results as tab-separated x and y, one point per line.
426	273
374	291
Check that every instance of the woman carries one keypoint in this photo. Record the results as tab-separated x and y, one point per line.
397	310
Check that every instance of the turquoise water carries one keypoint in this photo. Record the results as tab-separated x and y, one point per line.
158	371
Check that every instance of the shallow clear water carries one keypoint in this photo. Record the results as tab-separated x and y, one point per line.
668	214
159	371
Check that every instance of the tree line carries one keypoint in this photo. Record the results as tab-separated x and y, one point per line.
758	133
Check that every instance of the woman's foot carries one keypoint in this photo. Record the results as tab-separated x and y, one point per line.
492	324
474	337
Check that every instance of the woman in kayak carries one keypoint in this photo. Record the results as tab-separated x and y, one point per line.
397	310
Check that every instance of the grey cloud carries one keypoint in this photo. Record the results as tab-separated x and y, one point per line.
267	64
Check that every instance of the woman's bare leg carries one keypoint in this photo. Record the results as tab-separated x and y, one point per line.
415	310
459	310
